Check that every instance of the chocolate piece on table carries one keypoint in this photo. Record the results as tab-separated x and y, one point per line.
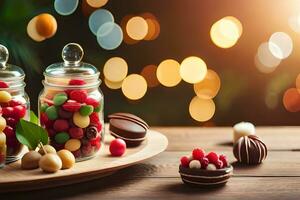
250	150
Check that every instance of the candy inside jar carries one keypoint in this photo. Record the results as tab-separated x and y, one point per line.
71	105
14	104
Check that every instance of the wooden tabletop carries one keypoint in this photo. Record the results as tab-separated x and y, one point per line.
277	178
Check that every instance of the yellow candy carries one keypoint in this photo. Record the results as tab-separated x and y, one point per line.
2	139
4	97
2	123
81	121
67	158
73	144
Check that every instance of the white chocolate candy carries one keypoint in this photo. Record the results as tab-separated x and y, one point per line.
242	129
211	166
195	164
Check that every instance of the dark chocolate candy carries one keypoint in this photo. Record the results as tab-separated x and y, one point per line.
250	150
91	132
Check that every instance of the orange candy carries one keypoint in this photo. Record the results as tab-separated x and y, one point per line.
46	25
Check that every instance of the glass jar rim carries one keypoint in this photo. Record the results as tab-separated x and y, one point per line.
85	86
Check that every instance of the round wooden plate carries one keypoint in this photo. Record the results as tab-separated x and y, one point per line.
13	178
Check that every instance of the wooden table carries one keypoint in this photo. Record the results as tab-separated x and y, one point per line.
277	178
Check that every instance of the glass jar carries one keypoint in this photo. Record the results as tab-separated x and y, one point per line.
71	105
14	103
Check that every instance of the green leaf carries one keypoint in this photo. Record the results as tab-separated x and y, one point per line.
30	134
33	118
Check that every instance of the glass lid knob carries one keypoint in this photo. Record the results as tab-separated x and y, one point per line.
72	54
3	56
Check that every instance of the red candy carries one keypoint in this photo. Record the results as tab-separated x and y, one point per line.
185	161
76	133
51	132
3	84
61	125
71	106
212	157
11	122
77	153
8	111
223	158
198	154
9	132
219	164
204	162
117	147
14	102
64	114
19	111
91	101
94	118
95	141
46	121
77	82
79	95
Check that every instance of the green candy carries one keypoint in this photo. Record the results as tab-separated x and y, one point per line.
60	99
97	109
86	110
51	112
44	107
61	137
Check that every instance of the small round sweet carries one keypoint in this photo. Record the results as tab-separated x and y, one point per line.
81	121
211	166
60	99
73	144
44	106
242	129
76	133
30	160
67	158
185	161
2	139
86	110
61	137
5	97
195	164
48	148
51	112
2	123
61	125
50	162
117	147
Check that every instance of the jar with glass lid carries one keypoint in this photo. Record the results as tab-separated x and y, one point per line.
14	103
71	105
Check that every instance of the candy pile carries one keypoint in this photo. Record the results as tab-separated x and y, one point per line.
72	120
12	110
200	160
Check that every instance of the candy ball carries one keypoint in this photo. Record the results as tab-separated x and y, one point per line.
86	110
61	137
79	95
91	101
195	164
19	111
30	160
211	166
2	123
59	99
242	129
61	125
81	121
51	112
48	148
50	162
117	147
64	114
5	97
67	158
73	144
71	106
76	133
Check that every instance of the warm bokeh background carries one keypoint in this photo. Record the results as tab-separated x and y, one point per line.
184	31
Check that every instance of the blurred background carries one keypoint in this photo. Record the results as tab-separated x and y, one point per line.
251	49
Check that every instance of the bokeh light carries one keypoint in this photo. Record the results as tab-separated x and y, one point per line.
225	32
137	28
153	26
280	45
134	86
123	23
291	100
110	36
149	73
32	32
294	23
113	85
168	73
298	82
46	25
96	3
115	69
65	7
98	18
193	69
202	109
264	59
209	87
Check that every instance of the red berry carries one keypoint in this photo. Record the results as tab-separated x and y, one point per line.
219	164
185	161
94	118
79	95
91	101
9	132
11	122
76	133
198	154
117	147
61	125
71	106
223	158
212	157
8	111
76	82
204	162
3	84
19	111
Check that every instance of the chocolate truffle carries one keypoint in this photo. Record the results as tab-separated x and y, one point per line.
128	127
250	150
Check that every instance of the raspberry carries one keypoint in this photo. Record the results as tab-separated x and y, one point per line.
198	154
78	95
223	158
71	106
185	161
19	111
91	101
219	164
212	157
204	162
77	82
8	111
3	84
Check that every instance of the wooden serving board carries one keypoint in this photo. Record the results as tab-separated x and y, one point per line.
13	178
